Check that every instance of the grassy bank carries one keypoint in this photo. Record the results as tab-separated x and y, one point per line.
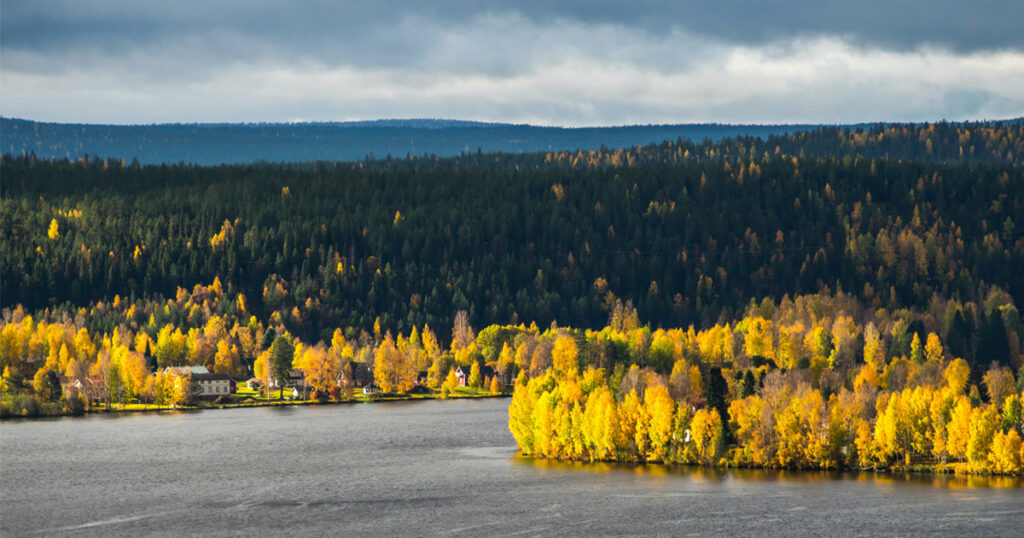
22	407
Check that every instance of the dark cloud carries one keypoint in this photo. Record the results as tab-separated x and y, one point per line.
366	31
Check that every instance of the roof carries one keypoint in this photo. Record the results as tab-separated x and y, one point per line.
194	370
211	377
484	370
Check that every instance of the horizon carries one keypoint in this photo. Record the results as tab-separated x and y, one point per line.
462	123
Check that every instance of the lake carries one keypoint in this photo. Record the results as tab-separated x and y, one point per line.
429	468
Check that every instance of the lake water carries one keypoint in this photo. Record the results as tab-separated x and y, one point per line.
429	468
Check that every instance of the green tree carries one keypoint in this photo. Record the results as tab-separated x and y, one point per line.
281	355
46	385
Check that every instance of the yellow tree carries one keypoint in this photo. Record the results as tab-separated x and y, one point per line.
903	428
706	435
392	370
758	338
495	387
641	441
984	423
134	372
544	423
660	411
629	415
85	348
181	389
226	361
933	349
564	354
942	406
999	384
865	443
958	429
475	380
520	416
956	374
867	376
872	348
1006	453
787	431
321	368
916	351
451	382
746	419
261	368
601	424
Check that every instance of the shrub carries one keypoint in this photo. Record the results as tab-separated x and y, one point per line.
26	406
75	406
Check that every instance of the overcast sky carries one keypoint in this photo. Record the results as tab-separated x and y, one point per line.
574	63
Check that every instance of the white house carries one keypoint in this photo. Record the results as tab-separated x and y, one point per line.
212	385
204	383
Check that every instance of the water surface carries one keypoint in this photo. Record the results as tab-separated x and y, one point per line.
429	468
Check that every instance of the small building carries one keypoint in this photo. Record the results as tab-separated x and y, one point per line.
370	390
295	378
361	376
212	385
463	372
92	386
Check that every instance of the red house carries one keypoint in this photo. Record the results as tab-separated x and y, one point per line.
462	372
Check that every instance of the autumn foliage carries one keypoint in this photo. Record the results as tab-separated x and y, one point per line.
805	387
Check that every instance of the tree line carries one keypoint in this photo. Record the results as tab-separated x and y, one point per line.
815	381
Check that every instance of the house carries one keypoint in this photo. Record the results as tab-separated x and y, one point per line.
361	376
212	385
204	383
295	378
463	372
92	387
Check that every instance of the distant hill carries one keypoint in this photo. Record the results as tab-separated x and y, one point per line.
220	143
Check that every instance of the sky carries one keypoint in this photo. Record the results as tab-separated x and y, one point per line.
545	62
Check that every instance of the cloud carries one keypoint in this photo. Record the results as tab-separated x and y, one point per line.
565	63
312	27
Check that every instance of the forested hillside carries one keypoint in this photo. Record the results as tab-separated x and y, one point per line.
216	143
689	232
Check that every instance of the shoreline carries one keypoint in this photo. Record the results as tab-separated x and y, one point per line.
943	469
912	472
202	406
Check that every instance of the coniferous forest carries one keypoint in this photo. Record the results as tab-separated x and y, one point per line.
833	298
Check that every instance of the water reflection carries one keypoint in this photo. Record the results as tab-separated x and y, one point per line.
714	475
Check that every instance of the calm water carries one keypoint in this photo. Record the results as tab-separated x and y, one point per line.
428	468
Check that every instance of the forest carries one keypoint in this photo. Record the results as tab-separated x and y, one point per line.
836	298
690	232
